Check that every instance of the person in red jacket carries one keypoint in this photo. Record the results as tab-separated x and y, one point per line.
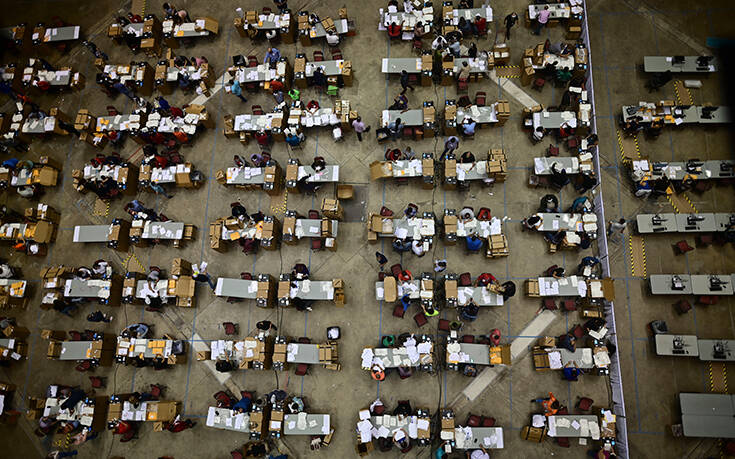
484	279
181	136
394	30
43	85
480	26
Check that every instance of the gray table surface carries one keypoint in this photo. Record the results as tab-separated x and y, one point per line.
330	68
548	219
220	417
329	174
413	117
308	223
665	345
75	350
570	431
82	289
570	164
401	168
558	10
470	13
408	224
472	171
160	287
664	63
302	353
569	289
414	295
64	33
265	24
488	114
477	296
706	350
554	120
5	342
661	284
707	225
172	73
256	176
667	225
339	24
322	426
236	288
263	73
240	121
478	438
189	33
91	233
700	285
707	415
316	291
479	353
396	65
150	230
720	116
56	77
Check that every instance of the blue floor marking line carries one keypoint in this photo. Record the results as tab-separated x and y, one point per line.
206	212
620	201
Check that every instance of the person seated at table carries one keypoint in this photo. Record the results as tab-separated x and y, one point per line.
394	30
567	341
403	408
439	43
305	186
556	271
570	373
300	272
319	79
238	211
467	158
417	246
478	454
479	26
564	131
244	405
472	51
418	30
294	138
509	290
319	164
395	128
332	38
466	4
468	127
537	135
560	48
549	204
532	222
464	72
580	205
654	129
400	245
455	43
474	243
485	279
408	154
469	311
393	154
559	178
563	75
137	330
465	27
401	439
585	181
550	404
405	302
466	214
587	262
411	210
400	102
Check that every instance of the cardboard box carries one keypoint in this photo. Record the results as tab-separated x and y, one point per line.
180	267
209	24
203	355
54	350
547	341
380	169
326	227
390	289
450	288
185	287
447	423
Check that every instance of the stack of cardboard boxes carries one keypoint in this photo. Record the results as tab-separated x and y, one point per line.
339	292
501	54
86	125
429	112
151	44
497	246
378	224
304	28
447	428
532	288
503	108
344	113
497	165
182	284
450	173
450	228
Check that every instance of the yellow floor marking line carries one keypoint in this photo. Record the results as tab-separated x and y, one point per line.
637	248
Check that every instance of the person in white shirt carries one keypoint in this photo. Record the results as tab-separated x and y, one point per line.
407	6
6	272
439	43
479	454
417	247
332	39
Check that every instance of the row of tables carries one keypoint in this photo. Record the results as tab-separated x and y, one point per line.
694	284
707	350
685	223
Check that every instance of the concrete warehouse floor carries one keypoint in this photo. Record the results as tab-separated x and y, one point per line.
621	32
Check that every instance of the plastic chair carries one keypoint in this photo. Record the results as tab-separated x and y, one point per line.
473	420
313	214
336	51
469	339
548	304
484	214
301	369
236	454
246	276
462	85
480	99
408	133
495	336
156	390
704	240
538	84
332	90
378	410
230	328
487	421
569	305
75	335
267	10
708	300
84	366
682	247
465	280
444	325
578	332
317	244
420	319
417	46
252	61
318	56
572	142
97	382
385	212
398	311
563	442
304	340
258	110
553	150
584	404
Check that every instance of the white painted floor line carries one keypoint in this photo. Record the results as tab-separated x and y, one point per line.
513	90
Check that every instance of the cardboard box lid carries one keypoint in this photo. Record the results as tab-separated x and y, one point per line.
380	169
